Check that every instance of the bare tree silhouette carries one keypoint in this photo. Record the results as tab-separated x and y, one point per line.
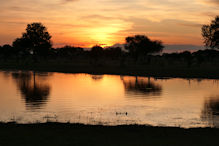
210	34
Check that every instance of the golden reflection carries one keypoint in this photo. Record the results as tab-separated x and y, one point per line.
92	99
97	77
86	90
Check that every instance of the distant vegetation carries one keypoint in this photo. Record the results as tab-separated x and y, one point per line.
34	49
36	42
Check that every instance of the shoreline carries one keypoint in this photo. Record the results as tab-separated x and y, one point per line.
189	73
79	134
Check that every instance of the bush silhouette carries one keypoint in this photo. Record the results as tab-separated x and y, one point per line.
96	52
6	51
140	45
69	51
113	52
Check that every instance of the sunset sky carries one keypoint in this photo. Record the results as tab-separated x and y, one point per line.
86	23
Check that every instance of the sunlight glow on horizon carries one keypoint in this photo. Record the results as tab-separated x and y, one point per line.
87	23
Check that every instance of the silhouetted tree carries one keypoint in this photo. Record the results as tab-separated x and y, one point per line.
96	52
36	40
187	56
113	52
6	51
96	55
69	51
205	55
140	45
210	34
21	46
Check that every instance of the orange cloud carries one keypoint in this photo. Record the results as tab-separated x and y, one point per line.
86	23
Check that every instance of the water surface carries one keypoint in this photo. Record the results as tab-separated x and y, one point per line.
27	97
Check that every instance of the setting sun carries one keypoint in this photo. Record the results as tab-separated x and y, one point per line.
87	23
109	72
106	35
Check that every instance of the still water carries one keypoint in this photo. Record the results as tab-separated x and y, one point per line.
27	97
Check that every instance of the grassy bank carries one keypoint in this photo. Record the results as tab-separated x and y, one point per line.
154	70
76	134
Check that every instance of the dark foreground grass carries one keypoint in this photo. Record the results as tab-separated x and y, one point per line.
57	134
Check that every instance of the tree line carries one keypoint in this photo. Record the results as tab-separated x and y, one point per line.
35	43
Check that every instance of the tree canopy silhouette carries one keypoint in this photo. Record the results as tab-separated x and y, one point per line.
113	52
36	40
96	51
139	45
210	34
69	51
6	50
